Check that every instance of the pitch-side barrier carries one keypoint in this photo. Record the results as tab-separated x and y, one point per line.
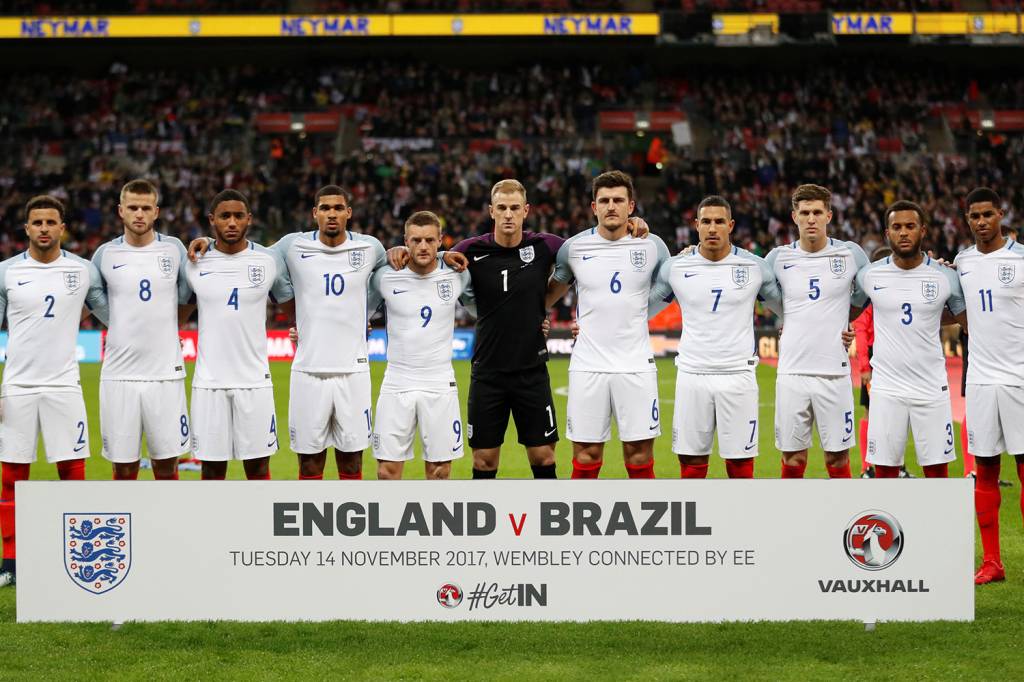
665	550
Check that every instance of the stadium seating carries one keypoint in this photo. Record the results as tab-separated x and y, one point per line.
867	134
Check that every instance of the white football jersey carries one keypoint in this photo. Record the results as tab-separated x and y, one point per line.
717	302
231	292
907	358
145	285
420	326
43	304
330	285
613	285
817	291
994	295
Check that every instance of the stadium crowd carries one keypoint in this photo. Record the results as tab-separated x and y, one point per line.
437	139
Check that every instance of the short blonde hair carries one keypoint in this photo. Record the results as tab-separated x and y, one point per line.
508	186
140	186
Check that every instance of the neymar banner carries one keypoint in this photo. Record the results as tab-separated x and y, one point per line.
669	550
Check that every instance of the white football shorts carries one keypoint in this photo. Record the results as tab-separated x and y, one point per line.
61	417
595	397
233	423
705	403
995	419
930	420
801	401
157	408
326	410
436	414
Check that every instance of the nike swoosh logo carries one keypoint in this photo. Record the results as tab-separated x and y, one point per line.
847	438
119	265
272	444
787	267
204	274
21	284
651	428
476	258
548	433
962	273
399	291
588	257
80	447
304	256
457	448
880	288
688	275
750	447
949	451
183	442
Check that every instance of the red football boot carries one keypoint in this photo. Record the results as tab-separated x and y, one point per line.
990	572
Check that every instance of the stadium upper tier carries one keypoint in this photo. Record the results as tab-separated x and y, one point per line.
409	135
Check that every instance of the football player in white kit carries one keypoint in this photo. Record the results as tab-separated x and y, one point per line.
42	293
994	295
717	287
232	394
612	370
816	275
142	382
329	404
328	272
909	292
419	383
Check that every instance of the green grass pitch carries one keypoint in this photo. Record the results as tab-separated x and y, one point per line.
985	649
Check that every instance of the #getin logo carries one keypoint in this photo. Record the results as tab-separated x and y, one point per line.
97	550
873	540
449	595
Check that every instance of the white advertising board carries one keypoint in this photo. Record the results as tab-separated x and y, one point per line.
667	550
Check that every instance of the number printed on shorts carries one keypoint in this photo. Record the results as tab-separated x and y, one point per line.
80	444
184	426
457	430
